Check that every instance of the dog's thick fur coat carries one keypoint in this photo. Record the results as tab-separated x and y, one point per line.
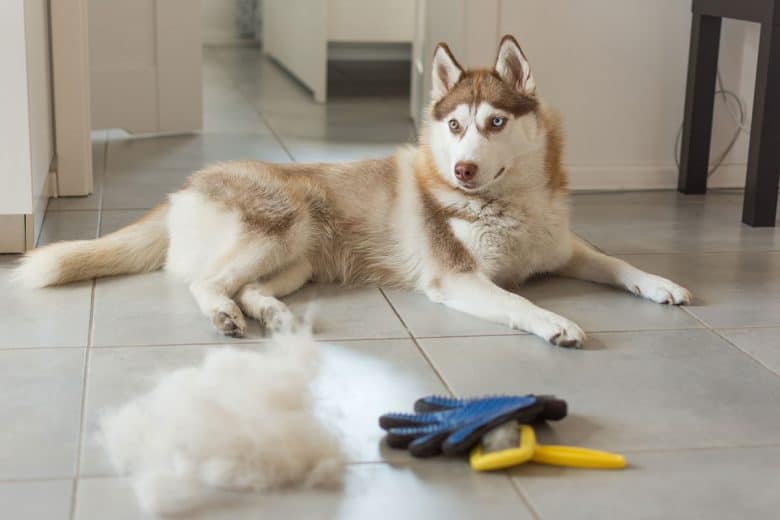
478	206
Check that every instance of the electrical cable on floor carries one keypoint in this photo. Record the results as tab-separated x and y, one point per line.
740	120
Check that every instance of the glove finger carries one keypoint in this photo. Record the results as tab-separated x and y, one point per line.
401	420
435	403
554	409
402	437
428	445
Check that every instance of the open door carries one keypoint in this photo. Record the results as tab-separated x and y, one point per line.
145	65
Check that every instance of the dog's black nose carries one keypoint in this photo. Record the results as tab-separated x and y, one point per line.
465	170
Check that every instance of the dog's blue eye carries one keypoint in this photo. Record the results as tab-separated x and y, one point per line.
454	125
498	122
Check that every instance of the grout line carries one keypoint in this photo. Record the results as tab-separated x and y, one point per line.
734	345
748	327
746	353
90	334
589	331
275	135
419	348
75	489
259	340
713	447
237	343
34	479
410	461
523	496
44	347
71	210
690	253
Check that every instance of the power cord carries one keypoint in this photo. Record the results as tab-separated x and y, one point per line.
740	119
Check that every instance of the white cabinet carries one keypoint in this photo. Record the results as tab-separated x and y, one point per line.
26	125
145	65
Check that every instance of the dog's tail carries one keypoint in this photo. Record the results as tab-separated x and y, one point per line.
137	248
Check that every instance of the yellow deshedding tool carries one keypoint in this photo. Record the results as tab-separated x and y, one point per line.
528	450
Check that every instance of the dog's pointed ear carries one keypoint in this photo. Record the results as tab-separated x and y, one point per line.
513	67
446	71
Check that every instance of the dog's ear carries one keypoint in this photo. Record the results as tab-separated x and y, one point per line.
513	67
446	71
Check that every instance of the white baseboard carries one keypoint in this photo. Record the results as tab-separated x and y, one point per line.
614	178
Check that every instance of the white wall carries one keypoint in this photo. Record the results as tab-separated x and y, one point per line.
616	69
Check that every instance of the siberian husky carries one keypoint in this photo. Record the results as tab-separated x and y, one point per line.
478	206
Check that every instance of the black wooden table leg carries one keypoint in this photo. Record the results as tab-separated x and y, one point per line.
699	101
760	206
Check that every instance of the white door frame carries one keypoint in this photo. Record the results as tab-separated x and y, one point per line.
70	77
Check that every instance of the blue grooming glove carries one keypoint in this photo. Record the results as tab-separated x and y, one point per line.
452	426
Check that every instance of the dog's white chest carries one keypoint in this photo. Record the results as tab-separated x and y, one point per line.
513	242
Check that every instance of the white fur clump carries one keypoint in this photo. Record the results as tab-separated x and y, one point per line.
241	420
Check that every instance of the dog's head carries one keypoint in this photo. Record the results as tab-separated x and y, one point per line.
480	121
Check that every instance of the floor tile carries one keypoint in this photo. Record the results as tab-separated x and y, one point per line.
377	491
713	484
347	312
40	412
630	390
152	309
426	318
667	221
763	344
359	381
68	225
36	500
225	110
190	151
730	290
50	317
91	201
112	220
136	189
312	151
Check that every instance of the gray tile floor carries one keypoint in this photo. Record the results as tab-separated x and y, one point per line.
688	394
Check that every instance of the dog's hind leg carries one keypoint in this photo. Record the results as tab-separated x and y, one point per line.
260	299
588	264
241	264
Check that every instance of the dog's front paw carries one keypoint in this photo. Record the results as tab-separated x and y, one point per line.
229	321
661	290
277	317
557	330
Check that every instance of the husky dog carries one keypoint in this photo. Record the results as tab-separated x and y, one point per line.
479	205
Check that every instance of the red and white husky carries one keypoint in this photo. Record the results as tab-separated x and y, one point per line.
480	204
